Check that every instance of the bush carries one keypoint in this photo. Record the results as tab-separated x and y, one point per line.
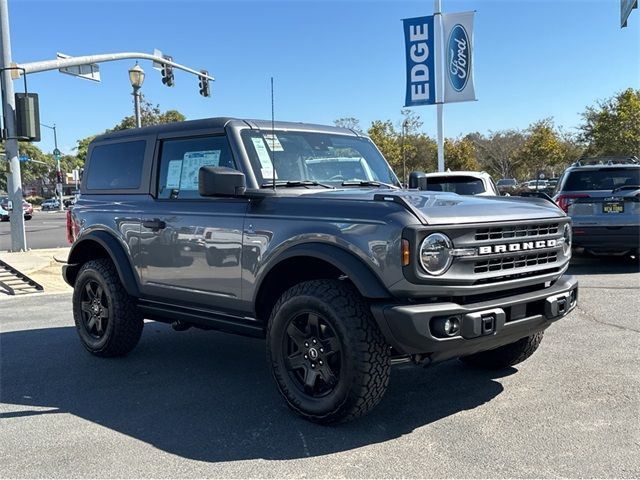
35	200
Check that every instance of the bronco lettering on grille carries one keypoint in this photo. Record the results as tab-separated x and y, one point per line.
516	247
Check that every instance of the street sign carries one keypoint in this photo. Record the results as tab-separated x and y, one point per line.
157	65
90	71
56	154
24	158
625	10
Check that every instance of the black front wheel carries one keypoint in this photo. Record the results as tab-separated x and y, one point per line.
106	317
328	357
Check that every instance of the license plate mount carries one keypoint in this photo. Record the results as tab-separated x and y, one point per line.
613	207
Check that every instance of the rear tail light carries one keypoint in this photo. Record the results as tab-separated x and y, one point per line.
564	201
72	229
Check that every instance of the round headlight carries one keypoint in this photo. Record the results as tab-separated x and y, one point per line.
566	235
435	255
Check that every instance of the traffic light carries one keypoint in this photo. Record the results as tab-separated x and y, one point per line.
167	72
204	84
58	177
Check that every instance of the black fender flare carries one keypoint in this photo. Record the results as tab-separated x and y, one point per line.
79	254
367	283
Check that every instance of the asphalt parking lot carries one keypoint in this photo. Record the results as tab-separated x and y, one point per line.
203	404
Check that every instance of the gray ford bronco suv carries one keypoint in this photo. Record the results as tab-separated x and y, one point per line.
302	234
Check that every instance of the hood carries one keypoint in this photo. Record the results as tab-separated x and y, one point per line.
433	208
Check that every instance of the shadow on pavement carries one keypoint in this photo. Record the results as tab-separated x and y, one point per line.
585	264
209	396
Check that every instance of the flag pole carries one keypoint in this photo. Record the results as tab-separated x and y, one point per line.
439	81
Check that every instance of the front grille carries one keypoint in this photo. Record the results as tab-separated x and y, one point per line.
516	231
516	276
514	261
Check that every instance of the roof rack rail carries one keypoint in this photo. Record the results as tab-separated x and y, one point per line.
631	160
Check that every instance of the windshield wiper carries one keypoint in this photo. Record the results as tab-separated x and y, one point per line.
294	184
367	183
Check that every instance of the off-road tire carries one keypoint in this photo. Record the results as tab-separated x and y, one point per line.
507	355
365	367
124	326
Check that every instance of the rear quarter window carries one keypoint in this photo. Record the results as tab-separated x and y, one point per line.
116	166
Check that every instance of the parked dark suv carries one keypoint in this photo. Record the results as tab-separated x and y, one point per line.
325	256
602	197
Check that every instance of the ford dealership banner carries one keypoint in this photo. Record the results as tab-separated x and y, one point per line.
458	56
420	51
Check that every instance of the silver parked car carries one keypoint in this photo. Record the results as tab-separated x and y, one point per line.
602	197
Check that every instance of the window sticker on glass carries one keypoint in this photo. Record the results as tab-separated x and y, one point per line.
191	165
272	142
173	174
266	167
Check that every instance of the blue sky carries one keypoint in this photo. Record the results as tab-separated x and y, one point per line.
533	59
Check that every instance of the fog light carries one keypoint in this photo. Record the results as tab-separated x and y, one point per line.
446	327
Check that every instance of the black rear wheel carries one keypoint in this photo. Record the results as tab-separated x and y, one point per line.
328	357
106	317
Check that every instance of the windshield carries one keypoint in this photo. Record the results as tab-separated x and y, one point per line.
460	184
506	182
317	157
602	179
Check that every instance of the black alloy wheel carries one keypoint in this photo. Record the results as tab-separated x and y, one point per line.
327	355
94	308
313	354
106	316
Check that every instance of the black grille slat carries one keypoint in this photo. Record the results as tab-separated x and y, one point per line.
511	262
517	231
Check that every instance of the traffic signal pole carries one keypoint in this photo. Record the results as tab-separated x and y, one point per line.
56	157
10	72
18	237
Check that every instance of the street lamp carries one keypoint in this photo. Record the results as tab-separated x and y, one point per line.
56	157
405	126
136	77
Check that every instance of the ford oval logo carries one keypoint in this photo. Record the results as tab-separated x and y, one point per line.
458	58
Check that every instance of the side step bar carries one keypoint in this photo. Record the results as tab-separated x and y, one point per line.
14	282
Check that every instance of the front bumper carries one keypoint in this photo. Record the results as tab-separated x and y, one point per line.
409	328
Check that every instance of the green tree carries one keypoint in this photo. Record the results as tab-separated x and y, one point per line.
348	122
460	154
542	151
150	115
497	153
30	171
83	147
612	127
386	138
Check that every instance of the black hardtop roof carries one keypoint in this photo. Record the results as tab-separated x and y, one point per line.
219	123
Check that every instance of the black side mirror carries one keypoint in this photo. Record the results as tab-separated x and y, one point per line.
418	180
220	182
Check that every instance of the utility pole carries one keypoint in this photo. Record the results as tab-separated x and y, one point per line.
18	238
56	157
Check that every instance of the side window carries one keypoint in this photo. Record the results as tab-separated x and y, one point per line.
180	162
116	166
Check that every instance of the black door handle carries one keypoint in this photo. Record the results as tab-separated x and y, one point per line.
154	224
